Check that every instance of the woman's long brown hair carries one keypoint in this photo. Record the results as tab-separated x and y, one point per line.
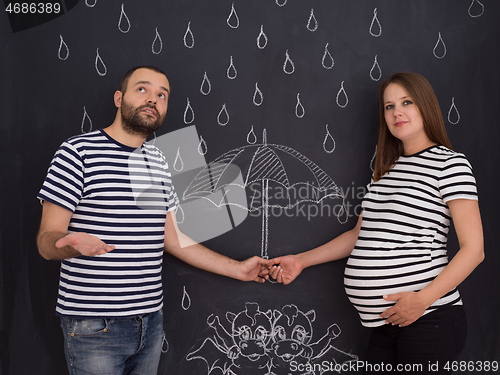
389	148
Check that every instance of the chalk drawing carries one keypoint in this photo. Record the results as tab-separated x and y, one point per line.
288	66
188	37
90	4
375	71
342	95
375	26
299	108
476	9
186	300
439	49
206	86
123	22
327	61
202	146
281	3
251	137
100	67
256	342
180	216
264	244
266	167
86	122
164	344
157	45
231	70
178	162
453	114
233	20
223	116
63	52
262	38
258	98
329	142
312	22
188	113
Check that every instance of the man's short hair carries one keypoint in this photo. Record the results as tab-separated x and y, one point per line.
126	77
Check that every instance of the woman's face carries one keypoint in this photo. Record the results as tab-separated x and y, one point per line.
403	118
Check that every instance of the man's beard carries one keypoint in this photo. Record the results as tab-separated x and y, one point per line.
136	122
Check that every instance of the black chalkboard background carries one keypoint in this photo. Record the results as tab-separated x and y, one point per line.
58	75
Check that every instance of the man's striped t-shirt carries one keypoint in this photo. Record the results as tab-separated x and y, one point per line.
402	242
120	195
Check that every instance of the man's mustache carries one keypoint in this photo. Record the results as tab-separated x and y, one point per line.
150	107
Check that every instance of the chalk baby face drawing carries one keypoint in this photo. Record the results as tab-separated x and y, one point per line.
244	345
293	346
254	342
251	333
292	334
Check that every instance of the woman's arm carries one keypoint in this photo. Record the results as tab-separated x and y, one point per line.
287	268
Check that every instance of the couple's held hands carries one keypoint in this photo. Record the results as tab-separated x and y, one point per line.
85	244
285	269
255	269
282	269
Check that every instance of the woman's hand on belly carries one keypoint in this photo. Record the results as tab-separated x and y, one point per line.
409	307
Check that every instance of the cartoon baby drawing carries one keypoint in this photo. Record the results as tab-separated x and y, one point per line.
292	340
246	344
279	342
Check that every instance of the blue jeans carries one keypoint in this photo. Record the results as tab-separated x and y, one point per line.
120	346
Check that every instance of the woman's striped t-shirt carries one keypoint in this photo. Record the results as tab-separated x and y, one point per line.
402	241
121	195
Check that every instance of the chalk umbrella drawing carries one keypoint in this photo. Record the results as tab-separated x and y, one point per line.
274	176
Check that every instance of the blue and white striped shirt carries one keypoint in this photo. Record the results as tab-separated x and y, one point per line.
402	242
120	195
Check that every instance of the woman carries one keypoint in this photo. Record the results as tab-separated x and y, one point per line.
398	276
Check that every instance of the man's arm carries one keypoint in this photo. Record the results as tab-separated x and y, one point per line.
55	244
199	256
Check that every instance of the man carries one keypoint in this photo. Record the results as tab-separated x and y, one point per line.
112	193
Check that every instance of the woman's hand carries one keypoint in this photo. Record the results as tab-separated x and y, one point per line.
408	308
285	269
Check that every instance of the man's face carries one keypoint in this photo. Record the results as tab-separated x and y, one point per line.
143	106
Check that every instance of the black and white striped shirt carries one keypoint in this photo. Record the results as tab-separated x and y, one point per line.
121	195
402	242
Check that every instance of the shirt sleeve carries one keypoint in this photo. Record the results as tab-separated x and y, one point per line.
457	180
172	199
63	184
369	186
